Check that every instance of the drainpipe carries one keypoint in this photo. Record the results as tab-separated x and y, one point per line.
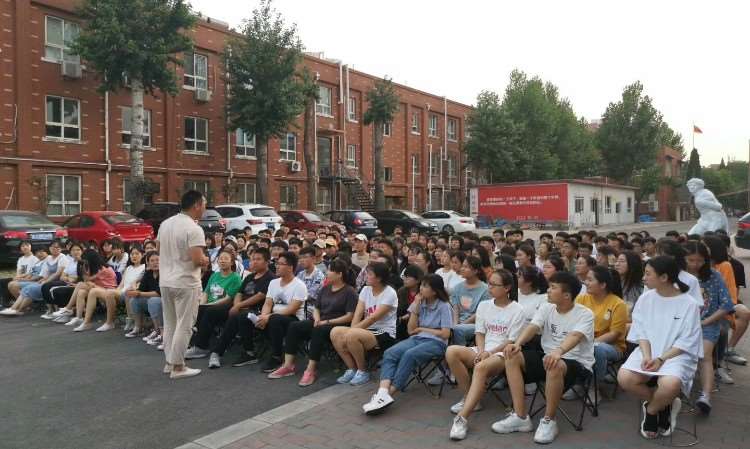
106	151
445	150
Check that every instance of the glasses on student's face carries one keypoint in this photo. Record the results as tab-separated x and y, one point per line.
283	263
495	284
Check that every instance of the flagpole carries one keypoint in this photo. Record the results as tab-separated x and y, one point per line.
693	137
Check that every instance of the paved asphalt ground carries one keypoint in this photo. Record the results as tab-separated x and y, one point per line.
63	390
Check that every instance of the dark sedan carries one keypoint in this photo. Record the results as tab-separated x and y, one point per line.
16	226
409	221
742	239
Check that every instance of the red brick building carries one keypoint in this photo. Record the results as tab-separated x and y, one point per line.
668	203
63	145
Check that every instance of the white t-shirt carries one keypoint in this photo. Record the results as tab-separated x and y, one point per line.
119	265
52	264
387	297
283	296
71	267
25	264
530	304
450	278
177	234
499	324
556	327
694	287
132	276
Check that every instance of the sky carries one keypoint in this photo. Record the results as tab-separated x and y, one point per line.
692	57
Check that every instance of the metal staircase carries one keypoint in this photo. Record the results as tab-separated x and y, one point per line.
364	196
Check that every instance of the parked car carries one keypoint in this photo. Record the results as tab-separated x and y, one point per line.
357	221
102	225
17	225
409	221
307	220
450	221
255	217
155	214
742	238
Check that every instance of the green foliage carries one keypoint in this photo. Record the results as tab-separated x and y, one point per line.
694	165
630	134
382	103
135	40
266	91
671	138
648	181
731	178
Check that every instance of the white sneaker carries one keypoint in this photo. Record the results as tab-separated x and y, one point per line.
167	368
129	325
74	322
546	431
61	319
155	341
9	312
378	402
196	353
513	423
459	428
133	333
105	327
458	406
160	347
150	336
214	361
731	356
47	316
186	372
529	389
83	327
722	375
62	312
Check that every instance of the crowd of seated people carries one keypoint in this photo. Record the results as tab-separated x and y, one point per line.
535	314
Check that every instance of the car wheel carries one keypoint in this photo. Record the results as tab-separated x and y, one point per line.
449	229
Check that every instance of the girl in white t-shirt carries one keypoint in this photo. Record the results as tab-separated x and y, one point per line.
373	325
667	328
532	291
498	322
452	261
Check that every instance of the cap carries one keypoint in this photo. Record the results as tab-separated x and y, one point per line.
331	242
231	238
361	237
320	243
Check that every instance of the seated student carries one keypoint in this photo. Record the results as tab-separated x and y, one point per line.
24	267
57	293
498	323
567	351
217	299
430	322
250	298
610	321
373	325
668	247
95	274
309	273
465	298
147	298
532	291
629	267
668	349
451	261
412	279
582	267
48	269
333	306
553	264
118	260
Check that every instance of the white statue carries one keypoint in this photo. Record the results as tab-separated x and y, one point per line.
712	216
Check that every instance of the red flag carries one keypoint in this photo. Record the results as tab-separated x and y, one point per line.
697	130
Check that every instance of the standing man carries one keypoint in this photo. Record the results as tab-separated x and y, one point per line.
181	246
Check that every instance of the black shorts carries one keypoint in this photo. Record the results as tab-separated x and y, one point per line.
385	341
535	372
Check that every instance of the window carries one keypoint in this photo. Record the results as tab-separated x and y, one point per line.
351	156
594	205
388	174
452	129
435	164
127	123
203	187
63	195
578	204
324	198
629	205
58	35
63	120
323	106
196	71
653	203
608	205
618	206
245	146
433	130
352	109
387	129
196	135
289	147
288	194
245	192
415	119
416	166
452	167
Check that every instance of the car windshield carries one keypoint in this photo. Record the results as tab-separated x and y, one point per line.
412	215
312	216
24	221
264	212
120	218
211	214
364	215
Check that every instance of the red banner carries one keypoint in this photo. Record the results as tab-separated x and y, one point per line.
541	202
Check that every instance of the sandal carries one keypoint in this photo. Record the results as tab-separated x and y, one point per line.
649	424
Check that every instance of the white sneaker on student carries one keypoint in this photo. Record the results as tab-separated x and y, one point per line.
722	375
74	322
186	372
83	327
458	406
150	336
546	431
459	428
513	423
214	361
61	319
47	316
731	356
62	312
378	402
105	327
196	353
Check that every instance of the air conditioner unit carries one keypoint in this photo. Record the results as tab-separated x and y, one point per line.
295	166
71	69
203	95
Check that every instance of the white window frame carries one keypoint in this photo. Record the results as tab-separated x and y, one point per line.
195	141
578	201
242	192
386	171
323	105
284	151
63	46
324	200
243	146
433	127
127	123
387	129
352	110
607	204
62	125
351	155
63	203
435	164
415	122
284	190
192	184
193	78
452	167
452	129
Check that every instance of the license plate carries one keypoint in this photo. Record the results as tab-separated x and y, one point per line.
270	225
42	236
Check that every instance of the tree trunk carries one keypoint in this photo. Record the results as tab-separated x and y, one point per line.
137	179
377	146
309	150
261	176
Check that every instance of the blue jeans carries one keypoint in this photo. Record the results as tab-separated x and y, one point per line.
33	291
141	304
400	360
604	353
462	333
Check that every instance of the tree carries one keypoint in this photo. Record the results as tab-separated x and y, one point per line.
311	93
630	134
134	45
382	106
648	181
671	138
266	90
694	165
722	165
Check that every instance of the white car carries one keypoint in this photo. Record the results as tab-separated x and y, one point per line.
450	221
257	217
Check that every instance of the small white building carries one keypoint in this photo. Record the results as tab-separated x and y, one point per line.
577	202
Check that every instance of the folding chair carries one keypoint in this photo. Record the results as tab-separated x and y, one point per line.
423	372
585	381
